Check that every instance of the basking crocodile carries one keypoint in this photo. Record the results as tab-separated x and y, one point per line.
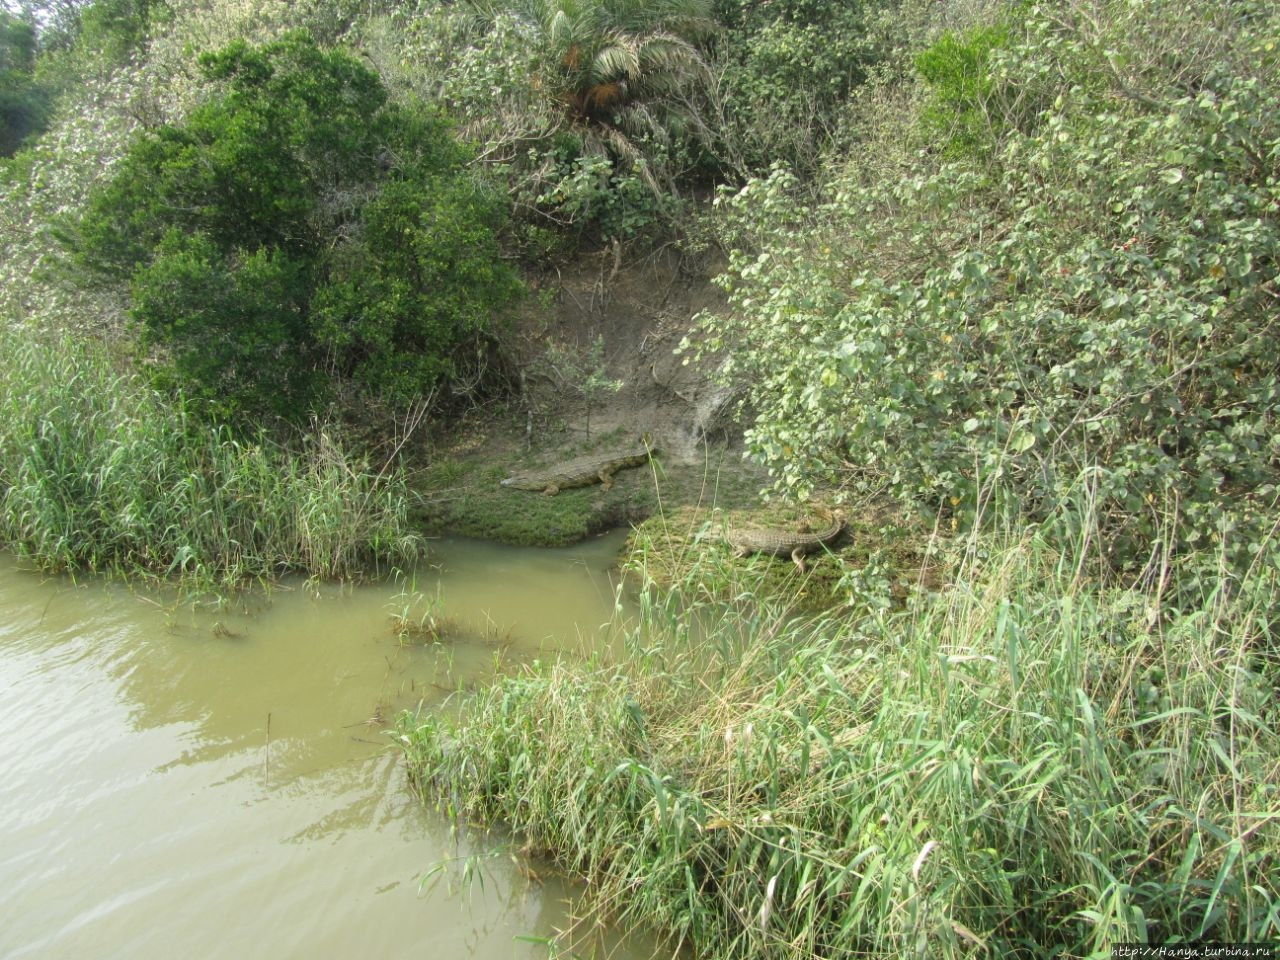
581	472
782	542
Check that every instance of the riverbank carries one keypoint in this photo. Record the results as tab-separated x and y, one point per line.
459	490
99	472
594	351
616	321
1026	765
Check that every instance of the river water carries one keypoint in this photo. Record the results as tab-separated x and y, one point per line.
182	782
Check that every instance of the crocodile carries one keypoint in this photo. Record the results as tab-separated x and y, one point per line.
581	472
782	542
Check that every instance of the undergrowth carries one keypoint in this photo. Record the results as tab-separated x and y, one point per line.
98	472
1027	763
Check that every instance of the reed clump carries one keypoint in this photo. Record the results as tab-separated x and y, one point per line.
98	472
1027	764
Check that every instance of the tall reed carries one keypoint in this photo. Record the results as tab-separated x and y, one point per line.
1028	764
99	472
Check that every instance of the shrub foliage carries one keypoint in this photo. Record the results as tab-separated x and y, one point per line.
788	69
1095	290
296	224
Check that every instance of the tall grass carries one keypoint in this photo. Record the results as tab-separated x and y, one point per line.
1027	764
98	472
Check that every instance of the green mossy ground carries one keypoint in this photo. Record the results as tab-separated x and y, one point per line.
678	513
880	551
460	492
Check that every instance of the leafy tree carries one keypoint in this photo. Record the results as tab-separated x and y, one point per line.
22	100
294	225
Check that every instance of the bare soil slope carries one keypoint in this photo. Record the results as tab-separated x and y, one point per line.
620	323
595	347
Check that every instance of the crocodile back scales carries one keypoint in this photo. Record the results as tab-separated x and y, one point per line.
780	541
578	472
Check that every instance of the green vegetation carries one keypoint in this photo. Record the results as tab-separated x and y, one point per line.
99	473
466	498
76	45
789	69
22	101
881	559
113	29
592	111
1001	270
615	68
1094	295
962	85
1034	300
295	229
463	495
1026	765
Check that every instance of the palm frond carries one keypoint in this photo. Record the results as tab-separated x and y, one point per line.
615	70
620	58
668	53
561	32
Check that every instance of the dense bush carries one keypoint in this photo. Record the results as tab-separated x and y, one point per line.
295	225
1097	295
22	100
591	111
788	69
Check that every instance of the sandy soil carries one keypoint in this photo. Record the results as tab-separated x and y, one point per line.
618	322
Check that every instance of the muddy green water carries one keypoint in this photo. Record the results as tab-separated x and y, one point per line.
218	783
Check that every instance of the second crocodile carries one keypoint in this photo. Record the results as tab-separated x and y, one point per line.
581	472
782	542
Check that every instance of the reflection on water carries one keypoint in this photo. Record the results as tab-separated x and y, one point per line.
219	783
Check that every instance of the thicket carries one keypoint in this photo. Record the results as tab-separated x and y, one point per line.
605	116
85	39
1062	264
592	112
1026	766
51	51
23	102
296	230
786	72
100	472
